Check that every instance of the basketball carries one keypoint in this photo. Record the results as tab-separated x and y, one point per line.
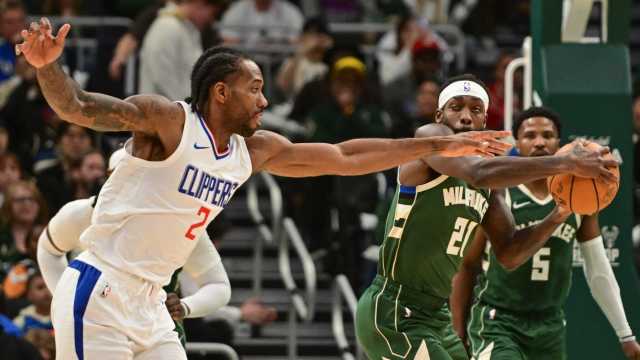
582	195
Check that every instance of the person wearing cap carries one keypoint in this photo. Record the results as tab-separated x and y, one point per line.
306	64
438	207
345	115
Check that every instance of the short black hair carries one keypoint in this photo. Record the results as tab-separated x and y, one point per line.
536	111
316	24
214	65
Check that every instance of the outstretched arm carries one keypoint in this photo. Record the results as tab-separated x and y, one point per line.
463	283
514	247
603	284
142	113
506	171
276	154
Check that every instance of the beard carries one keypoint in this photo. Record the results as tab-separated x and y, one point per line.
246	130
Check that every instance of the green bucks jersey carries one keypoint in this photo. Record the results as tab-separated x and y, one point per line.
543	282
427	231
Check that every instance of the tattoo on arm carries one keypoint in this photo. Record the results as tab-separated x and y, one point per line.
96	111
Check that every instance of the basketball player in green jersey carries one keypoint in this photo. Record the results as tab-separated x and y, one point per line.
438	206
518	314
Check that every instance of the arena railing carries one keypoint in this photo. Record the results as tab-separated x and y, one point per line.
509	74
283	232
268	234
343	292
212	348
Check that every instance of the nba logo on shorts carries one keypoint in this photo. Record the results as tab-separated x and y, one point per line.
106	290
466	87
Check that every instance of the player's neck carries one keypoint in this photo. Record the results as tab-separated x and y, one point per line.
221	135
538	188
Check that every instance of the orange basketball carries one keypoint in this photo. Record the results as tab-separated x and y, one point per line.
583	196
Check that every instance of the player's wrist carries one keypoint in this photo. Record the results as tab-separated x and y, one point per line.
628	338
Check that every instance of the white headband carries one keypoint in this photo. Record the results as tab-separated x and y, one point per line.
462	88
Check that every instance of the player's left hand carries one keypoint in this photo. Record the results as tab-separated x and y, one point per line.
631	350
174	306
483	143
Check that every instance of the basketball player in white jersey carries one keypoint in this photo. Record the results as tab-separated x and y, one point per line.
182	166
62	236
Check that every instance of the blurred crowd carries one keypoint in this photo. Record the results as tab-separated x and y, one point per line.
324	83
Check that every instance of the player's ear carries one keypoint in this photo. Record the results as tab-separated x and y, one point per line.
439	116
220	92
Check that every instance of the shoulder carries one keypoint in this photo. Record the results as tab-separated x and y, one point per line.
433	130
264	145
157	107
71	212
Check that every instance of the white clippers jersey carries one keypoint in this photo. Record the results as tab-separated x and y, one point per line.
150	213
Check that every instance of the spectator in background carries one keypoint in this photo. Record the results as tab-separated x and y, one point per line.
22	211
73	143
11	344
16	282
172	45
400	95
4	140
12	21
44	341
29	119
345	115
38	314
434	11
395	49
10	172
91	175
495	115
307	63
254	22
426	103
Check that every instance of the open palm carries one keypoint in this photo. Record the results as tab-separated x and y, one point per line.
483	143
39	46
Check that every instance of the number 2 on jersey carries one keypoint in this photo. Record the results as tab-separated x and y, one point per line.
461	232
203	210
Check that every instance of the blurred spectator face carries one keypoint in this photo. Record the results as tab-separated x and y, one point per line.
4	140
426	62
408	31
13	21
74	142
23	203
315	39
263	5
427	99
636	114
93	167
202	13
39	295
463	113
10	170
346	87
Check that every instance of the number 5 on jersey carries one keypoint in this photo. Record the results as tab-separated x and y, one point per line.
202	211
462	231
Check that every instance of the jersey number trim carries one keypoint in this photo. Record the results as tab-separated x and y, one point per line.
203	210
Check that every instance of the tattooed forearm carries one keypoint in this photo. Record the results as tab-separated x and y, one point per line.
97	111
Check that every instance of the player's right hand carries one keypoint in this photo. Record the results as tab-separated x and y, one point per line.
631	350
591	163
39	46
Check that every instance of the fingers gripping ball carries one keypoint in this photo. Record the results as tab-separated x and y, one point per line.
581	195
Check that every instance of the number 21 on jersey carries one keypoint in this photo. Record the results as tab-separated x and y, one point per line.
462	230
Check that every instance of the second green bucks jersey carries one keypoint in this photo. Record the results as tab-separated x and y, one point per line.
427	231
542	283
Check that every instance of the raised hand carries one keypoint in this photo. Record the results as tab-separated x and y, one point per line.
591	163
39	46
483	143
